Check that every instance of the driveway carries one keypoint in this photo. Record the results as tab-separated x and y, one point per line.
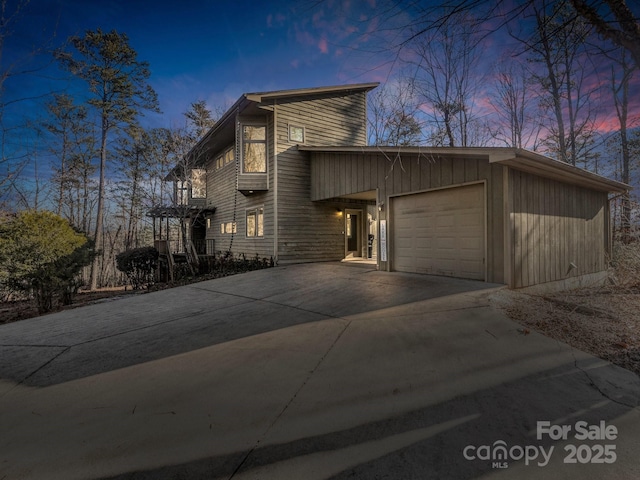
308	372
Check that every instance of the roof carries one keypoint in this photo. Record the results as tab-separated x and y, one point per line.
519	159
301	92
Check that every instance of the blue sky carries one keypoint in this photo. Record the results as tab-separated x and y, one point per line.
217	50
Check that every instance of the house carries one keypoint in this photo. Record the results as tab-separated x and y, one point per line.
288	175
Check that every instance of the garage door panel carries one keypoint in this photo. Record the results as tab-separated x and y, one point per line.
440	232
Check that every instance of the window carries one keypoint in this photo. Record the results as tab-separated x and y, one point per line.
198	183
296	134
254	149
229	156
255	222
229	227
225	158
182	192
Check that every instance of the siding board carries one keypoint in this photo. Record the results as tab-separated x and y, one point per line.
558	224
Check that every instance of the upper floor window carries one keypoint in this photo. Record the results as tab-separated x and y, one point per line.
296	134
225	158
229	156
198	183
254	149
181	192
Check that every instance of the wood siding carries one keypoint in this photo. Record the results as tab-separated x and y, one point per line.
306	230
338	174
309	230
554	225
231	206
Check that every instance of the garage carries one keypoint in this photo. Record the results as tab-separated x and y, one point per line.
441	232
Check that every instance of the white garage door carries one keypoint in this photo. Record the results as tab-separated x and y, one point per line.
440	232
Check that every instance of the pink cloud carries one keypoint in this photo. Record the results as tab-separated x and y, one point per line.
322	45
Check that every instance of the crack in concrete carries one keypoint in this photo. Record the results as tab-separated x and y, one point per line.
593	384
288	404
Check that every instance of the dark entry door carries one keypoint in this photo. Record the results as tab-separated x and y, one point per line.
353	240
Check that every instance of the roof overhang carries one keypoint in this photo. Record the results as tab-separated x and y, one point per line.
531	162
260	97
518	159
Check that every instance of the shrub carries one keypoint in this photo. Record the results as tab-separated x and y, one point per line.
626	266
42	255
139	265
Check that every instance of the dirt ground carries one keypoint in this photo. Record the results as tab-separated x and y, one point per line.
604	322
22	309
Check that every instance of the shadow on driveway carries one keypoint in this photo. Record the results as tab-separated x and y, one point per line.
99	338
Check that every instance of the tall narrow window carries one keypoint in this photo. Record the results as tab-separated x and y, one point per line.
198	183
254	149
181	192
229	156
255	222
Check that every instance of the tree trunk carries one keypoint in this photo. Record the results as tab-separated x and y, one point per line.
99	213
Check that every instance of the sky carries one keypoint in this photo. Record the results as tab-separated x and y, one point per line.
216	50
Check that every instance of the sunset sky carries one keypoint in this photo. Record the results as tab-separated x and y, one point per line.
216	50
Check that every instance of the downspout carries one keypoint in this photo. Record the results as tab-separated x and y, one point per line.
275	181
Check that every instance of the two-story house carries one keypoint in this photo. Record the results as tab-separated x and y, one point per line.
288	174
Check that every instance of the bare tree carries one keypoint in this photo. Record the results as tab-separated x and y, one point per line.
15	132
620	83
117	81
559	47
615	21
392	116
133	165
514	105
71	142
447	78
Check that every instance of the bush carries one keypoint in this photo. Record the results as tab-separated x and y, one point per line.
626	266
139	265
42	255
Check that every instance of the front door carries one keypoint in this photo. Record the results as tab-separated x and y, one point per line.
352	233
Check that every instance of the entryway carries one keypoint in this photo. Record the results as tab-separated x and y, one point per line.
353	233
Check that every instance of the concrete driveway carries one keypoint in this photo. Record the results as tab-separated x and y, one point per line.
308	372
